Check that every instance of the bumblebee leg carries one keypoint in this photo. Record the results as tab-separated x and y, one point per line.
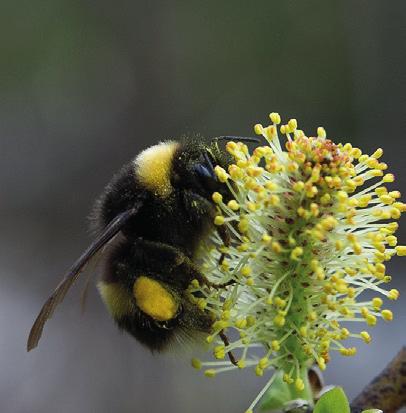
157	256
226	343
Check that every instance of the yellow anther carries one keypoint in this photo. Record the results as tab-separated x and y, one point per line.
365	336
296	253
219	220
321	132
375	172
351	351
387	315
312	191
270	132
339	245
325	199
394	213
231	147
312	316
380	268
392	240
201	303
344	333
299	384
370	319
210	373
350	271
284	129
259	372
222	175
279	302
225	315
243	225
196	363
233	205
241	363
252	206
220	325
372	163
329	223
321	363
277	248
287	379
279	320
250	282
303	331
254	171
292	125
266	238
386	199
274	200
392	227
258	129
217	198
243	247
271	186
395	194
263	363
342	196
378	153
275	118
235	172
241	323
225	265
388	178
363	158
401	250
298	186
292	167
400	206
357	248
393	294
275	345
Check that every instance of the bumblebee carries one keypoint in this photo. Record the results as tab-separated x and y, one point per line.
149	223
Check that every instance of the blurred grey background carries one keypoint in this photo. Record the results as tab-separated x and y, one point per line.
84	86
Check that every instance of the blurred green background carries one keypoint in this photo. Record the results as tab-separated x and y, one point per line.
84	86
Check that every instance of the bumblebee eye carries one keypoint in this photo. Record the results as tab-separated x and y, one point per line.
202	171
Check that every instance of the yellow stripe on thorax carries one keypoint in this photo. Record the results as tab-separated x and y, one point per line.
153	299
153	167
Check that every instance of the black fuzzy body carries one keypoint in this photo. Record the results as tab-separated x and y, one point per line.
160	242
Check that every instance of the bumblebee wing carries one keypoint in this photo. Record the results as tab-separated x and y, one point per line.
73	274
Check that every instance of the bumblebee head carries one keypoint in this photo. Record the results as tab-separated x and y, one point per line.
194	163
193	167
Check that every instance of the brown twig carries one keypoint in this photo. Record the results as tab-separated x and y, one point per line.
387	391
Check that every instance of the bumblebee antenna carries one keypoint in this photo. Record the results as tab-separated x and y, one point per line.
238	138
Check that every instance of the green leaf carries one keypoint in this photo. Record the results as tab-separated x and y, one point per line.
277	395
334	401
